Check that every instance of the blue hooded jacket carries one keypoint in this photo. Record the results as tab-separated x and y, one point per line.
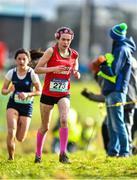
121	67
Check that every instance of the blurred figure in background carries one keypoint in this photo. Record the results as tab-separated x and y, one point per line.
75	131
129	109
57	63
89	134
3	53
19	83
94	69
134	131
35	54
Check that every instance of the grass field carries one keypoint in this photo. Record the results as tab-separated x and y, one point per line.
85	164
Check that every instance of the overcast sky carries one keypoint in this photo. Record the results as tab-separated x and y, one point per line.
47	8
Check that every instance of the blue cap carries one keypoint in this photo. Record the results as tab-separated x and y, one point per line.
118	32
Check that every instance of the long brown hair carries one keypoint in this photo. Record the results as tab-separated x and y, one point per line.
35	55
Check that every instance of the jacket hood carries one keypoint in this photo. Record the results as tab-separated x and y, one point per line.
130	43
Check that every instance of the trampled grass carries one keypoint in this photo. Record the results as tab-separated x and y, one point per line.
84	165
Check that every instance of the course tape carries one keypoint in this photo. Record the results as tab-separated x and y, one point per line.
122	103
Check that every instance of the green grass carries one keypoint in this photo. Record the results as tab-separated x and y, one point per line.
84	165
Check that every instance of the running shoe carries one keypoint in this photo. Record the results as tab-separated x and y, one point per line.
11	158
63	158
37	159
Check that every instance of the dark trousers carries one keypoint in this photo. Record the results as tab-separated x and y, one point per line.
134	127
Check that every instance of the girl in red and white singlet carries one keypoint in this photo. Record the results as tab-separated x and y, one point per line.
57	63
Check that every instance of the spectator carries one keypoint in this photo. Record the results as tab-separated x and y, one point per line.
115	91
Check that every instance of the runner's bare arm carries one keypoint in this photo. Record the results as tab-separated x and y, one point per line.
75	70
37	91
6	88
42	68
76	65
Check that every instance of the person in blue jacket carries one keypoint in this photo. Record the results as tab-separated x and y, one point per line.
115	89
130	110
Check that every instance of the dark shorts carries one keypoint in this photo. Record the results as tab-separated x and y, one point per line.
23	109
51	100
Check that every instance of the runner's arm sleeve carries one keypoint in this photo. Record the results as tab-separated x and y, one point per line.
34	77
9	74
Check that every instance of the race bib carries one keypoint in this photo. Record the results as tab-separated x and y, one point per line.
26	101
58	85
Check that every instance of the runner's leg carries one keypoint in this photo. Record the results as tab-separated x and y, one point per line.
64	106
46	112
22	128
12	118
